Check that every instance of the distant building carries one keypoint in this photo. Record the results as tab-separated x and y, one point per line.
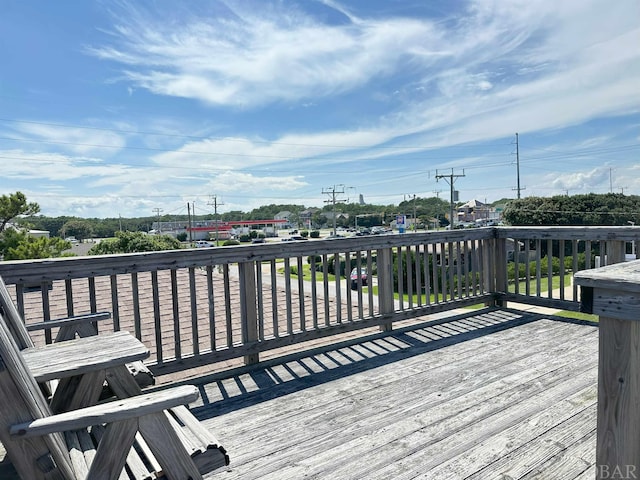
305	216
284	215
477	212
32	233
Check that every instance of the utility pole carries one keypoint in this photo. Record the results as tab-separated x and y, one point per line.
333	192
610	180
215	214
415	218
189	222
158	211
518	166
415	222
450	179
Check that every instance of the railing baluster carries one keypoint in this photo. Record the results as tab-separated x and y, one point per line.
260	299
115	308
212	308
370	289
562	274
538	268
303	326
135	297
527	268
68	290
451	262
347	263
325	286
400	264
550	268
227	306
274	298
156	316
177	340
360	286
338	286
465	262
314	291
408	252
516	266
194	311
288	296
427	274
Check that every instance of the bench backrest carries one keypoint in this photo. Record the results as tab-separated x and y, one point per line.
21	400
13	318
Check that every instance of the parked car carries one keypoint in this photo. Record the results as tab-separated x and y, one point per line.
363	275
203	244
258	240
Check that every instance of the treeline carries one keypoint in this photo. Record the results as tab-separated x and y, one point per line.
367	215
564	210
588	209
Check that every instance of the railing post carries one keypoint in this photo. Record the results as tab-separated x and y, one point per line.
500	272
494	269
385	285
613	293
248	308
615	251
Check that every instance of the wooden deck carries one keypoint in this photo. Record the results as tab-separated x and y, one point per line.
502	394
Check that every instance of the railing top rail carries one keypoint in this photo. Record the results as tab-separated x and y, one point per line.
596	233
36	271
44	270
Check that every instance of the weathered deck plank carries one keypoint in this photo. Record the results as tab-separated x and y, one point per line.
490	394
444	401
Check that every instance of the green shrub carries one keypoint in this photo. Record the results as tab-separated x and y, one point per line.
245	237
318	259
315	234
230	242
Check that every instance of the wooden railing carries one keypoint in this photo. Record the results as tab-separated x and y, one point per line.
198	306
613	293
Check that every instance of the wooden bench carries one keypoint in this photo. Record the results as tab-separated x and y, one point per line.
82	326
150	435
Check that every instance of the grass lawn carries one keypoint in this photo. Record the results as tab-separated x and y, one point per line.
306	275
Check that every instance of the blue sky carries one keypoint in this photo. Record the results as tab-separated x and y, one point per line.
114	108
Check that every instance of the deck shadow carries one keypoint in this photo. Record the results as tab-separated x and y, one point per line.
252	385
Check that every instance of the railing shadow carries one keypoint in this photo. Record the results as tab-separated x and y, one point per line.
272	379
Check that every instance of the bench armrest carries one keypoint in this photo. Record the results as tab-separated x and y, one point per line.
118	410
75	320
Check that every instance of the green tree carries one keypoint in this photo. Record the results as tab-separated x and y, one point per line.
19	245
15	205
81	229
131	242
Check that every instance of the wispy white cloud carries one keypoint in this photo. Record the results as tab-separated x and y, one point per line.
253	57
77	140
